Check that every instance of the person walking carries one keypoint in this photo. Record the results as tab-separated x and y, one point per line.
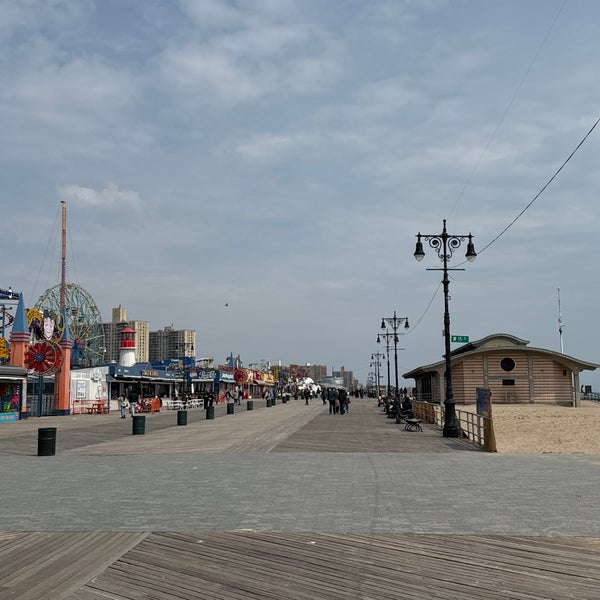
123	406
332	397
133	400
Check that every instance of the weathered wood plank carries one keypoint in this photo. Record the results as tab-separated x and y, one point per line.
236	566
40	566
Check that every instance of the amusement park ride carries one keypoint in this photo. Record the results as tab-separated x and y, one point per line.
64	330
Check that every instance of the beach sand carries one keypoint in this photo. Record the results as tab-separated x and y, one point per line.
541	428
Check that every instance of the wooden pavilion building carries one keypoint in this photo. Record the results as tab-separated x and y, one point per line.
512	370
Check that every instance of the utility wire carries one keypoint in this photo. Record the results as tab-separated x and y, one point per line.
413	327
542	190
511	102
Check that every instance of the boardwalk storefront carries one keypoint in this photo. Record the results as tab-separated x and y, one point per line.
143	379
12	401
201	381
513	371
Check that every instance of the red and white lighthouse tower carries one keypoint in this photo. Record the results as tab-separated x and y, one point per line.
127	348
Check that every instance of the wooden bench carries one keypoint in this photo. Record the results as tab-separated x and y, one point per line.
413	425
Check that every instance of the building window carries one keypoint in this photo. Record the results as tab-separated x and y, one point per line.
507	364
508	382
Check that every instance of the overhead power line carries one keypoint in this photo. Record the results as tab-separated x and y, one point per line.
542	190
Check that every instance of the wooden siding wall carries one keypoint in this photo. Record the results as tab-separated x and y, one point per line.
537	378
519	392
551	382
466	378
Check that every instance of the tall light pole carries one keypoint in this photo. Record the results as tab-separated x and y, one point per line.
375	363
387	336
395	322
445	244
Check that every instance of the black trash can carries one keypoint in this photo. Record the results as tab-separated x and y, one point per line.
249	405
284	399
273	401
268	402
46	441
182	417
210	412
139	425
230	408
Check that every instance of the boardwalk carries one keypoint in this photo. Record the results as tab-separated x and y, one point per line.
289	502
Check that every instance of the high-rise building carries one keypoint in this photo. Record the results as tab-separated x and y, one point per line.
315	372
112	336
346	376
169	343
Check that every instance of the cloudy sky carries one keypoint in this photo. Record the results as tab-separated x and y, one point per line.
280	156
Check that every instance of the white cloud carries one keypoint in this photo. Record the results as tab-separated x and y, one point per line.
110	197
266	147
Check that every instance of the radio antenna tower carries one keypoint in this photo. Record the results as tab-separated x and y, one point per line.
560	324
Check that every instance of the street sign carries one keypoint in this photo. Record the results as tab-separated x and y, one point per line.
459	339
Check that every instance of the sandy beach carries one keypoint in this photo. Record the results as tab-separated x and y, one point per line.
541	428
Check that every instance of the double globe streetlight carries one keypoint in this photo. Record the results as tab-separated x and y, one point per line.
445	244
395	322
377	364
387	336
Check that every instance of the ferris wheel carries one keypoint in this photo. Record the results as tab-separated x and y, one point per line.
83	319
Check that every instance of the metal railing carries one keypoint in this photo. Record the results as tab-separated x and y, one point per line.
474	427
594	396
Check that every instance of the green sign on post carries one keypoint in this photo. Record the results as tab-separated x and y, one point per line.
459	339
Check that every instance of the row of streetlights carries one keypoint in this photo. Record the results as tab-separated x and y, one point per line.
444	244
394	322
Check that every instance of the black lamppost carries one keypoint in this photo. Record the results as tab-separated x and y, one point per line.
387	336
375	363
395	322
445	244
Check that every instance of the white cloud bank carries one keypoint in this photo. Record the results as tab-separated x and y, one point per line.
110	197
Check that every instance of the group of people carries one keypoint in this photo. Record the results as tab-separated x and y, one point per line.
397	404
338	399
128	404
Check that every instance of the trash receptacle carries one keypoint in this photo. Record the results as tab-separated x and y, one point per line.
210	412
46	441
273	401
249	405
182	417
230	408
268	402
139	425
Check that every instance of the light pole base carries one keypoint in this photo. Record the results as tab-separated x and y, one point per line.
451	431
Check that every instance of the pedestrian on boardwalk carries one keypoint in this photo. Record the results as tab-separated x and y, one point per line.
332	397
133	400
306	396
123	406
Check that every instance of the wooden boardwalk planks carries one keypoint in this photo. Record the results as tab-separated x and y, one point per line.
44	566
328	566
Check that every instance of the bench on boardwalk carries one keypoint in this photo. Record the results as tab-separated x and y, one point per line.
413	425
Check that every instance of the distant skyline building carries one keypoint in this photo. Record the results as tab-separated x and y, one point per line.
112	336
171	343
150	346
315	372
347	378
